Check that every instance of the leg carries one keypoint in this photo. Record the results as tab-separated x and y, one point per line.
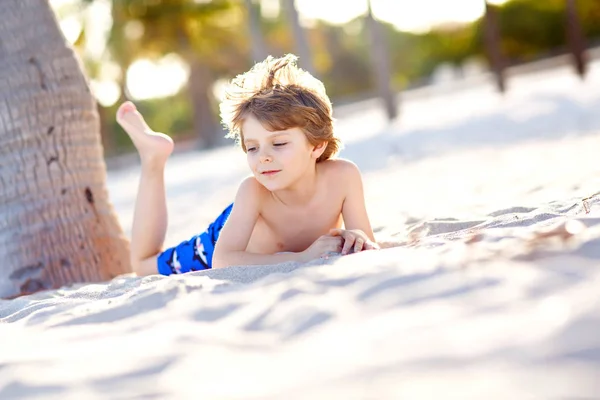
195	254
150	214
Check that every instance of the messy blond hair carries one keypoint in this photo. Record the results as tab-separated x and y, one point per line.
281	96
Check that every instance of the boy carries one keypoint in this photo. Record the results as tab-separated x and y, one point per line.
290	209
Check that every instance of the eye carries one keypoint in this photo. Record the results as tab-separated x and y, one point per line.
251	149
280	144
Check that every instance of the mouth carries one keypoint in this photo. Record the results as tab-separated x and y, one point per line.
270	172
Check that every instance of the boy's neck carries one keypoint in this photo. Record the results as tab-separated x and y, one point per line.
301	192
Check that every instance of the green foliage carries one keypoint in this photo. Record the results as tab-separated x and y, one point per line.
531	27
589	11
194	29
216	34
343	68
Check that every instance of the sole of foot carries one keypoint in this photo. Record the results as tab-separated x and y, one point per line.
149	144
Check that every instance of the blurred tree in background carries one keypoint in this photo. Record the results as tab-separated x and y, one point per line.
205	35
218	39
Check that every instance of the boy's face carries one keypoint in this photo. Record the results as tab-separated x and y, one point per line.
277	158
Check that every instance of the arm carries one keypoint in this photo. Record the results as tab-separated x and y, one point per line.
358	234
354	211
235	235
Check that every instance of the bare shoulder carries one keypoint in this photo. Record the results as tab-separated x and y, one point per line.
251	191
340	169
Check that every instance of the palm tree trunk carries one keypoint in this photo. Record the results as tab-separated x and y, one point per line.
381	65
492	44
575	37
300	39
205	123
57	224
259	50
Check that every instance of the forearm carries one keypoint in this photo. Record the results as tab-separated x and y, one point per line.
228	259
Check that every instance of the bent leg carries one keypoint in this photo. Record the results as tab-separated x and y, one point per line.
150	215
191	255
149	220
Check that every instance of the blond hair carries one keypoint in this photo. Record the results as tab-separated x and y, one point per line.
281	96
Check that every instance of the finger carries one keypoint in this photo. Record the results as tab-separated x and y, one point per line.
336	239
336	232
336	244
371	245
348	243
332	244
358	245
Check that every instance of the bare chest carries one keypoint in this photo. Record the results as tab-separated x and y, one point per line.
294	229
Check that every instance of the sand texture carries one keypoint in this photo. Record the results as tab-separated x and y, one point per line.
494	293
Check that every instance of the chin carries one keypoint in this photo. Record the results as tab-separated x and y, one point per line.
272	184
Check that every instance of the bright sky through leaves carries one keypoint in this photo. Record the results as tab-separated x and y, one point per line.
408	15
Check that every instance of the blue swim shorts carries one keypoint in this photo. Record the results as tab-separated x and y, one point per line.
195	254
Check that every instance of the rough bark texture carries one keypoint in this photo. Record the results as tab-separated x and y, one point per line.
56	225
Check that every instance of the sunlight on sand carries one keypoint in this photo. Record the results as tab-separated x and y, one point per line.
493	294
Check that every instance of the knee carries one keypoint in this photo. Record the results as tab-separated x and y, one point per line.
144	267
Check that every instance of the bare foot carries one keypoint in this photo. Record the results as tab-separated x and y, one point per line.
152	146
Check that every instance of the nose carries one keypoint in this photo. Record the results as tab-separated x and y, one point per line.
264	157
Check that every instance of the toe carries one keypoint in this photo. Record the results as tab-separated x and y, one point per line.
126	107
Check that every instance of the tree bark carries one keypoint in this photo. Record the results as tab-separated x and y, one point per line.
205	124
380	61
57	226
575	38
492	45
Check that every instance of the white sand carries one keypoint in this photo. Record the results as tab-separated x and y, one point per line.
479	303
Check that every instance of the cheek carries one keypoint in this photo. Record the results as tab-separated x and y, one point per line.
288	158
251	159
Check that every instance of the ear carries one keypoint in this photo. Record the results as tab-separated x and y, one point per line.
318	150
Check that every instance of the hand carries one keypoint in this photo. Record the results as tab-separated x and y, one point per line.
355	240
323	247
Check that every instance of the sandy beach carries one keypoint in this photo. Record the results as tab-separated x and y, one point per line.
493	293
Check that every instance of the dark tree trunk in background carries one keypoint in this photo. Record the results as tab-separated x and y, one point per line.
300	39
493	45
259	50
106	132
575	37
205	124
380	62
